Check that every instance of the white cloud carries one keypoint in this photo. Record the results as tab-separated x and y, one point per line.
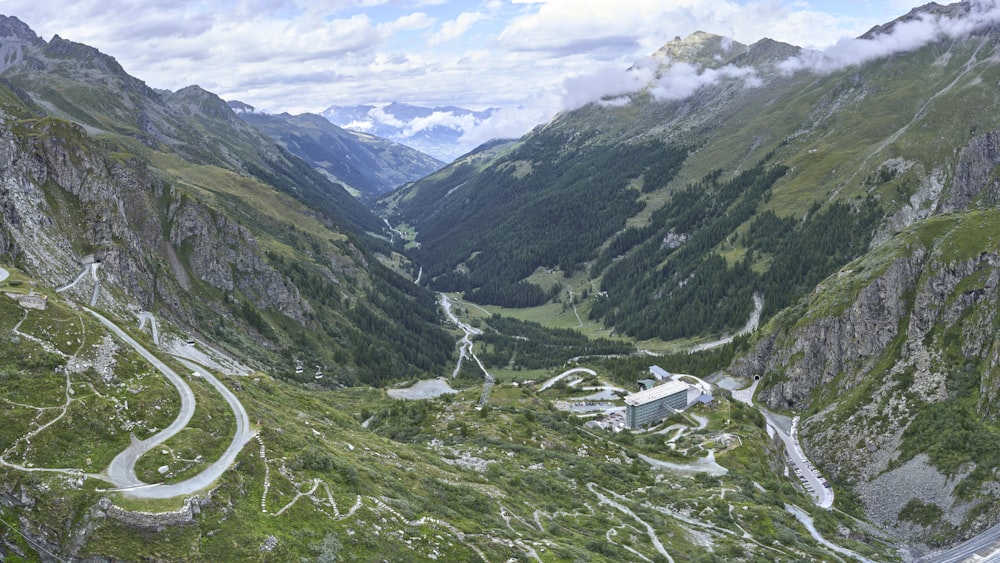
613	87
304	55
902	37
379	115
608	82
440	119
682	80
363	126
418	20
507	123
456	28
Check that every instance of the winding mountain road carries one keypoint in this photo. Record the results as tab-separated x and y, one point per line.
751	325
552	381
121	471
465	349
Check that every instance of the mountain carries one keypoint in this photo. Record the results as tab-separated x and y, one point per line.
199	217
198	329
841	189
177	287
436	131
366	165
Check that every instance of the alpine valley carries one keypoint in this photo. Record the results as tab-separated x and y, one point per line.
213	349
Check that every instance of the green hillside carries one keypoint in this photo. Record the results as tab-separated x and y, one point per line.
199	217
366	165
738	190
211	351
353	474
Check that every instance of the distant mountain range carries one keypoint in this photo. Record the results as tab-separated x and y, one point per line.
367	165
436	131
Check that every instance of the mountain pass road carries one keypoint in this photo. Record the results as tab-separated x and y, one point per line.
122	473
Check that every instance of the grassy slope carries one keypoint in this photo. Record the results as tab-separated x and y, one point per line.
319	461
837	130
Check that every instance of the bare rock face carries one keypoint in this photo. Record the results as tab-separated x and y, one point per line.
875	363
974	177
60	200
814	354
226	256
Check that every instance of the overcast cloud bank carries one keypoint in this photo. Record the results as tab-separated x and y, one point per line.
304	55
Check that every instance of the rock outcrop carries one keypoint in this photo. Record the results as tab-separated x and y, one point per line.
975	180
868	368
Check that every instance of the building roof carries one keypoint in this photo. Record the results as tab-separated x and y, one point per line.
659	373
656	393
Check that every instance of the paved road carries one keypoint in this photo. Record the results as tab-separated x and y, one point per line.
984	547
746	395
552	381
750	326
465	351
822	495
465	345
122	473
3	274
244	433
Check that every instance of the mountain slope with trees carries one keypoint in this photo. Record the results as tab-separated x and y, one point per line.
367	165
796	184
198	216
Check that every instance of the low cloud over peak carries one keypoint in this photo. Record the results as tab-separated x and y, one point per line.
915	30
667	79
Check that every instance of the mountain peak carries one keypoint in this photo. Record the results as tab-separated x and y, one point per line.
240	107
196	100
13	28
956	10
701	48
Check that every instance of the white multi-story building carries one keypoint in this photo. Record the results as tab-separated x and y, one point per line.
649	407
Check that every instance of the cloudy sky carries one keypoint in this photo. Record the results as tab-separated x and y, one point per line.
301	55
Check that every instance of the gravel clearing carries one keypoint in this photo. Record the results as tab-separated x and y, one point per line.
887	494
205	356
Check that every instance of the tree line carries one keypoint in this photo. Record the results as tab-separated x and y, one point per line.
672	283
550	203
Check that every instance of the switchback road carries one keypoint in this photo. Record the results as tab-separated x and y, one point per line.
122	473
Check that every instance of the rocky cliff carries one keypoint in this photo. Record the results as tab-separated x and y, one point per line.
64	199
887	346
